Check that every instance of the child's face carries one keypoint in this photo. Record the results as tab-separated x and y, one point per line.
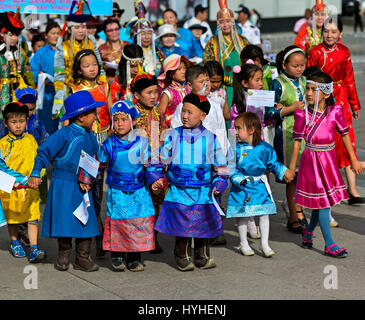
296	65
133	69
31	107
197	33
242	133
179	74
16	124
331	34
215	82
191	116
38	45
201	85
310	93
11	37
254	83
121	124
147	97
87	119
89	67
168	40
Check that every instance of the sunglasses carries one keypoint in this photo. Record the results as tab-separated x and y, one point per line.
112	30
116	14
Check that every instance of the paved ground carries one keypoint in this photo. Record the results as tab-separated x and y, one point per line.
293	273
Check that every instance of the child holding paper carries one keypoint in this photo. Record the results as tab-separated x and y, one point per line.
130	214
70	183
18	150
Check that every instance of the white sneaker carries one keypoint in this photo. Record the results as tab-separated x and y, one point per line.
245	251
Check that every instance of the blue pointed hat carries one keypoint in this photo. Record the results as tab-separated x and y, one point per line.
79	102
125	106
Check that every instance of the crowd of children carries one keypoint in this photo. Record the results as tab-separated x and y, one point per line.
162	144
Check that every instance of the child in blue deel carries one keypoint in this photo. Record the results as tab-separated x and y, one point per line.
195	171
130	216
69	182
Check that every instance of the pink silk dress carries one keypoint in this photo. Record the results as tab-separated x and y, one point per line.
319	182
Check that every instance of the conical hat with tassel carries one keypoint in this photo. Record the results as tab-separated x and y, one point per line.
142	23
319	6
12	22
224	12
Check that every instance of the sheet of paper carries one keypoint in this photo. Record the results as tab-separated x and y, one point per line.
89	164
6	182
260	98
216	204
81	212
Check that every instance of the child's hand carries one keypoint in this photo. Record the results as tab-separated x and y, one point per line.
289	175
357	167
157	184
298	105
216	193
85	187
279	106
34	182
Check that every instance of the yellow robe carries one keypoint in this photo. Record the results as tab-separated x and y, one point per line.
20	205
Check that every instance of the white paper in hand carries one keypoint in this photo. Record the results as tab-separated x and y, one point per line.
6	182
81	212
260	98
89	164
216	204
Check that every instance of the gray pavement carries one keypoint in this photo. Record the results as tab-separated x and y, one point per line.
293	273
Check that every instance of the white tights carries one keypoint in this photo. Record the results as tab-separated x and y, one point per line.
264	228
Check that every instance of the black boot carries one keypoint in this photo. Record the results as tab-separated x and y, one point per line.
134	261
83	261
182	254
202	257
64	251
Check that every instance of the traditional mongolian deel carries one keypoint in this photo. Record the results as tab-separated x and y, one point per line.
251	162
316	189
188	210
130	213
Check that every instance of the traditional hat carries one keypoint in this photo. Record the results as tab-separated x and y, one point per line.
94	22
117	9
81	13
195	23
142	81
167	29
26	95
142	23
198	100
125	106
79	102
172	62
11	22
224	12
319	6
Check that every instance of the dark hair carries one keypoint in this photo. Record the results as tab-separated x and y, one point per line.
214	68
253	52
194	71
109	21
321	77
199	8
310	70
247	72
251	121
52	25
131	51
169	10
77	63
36	38
15	109
280	57
335	20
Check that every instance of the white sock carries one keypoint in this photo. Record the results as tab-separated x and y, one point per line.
242	230
264	228
251	226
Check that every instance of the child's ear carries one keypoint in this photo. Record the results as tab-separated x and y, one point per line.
244	84
203	116
190	86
